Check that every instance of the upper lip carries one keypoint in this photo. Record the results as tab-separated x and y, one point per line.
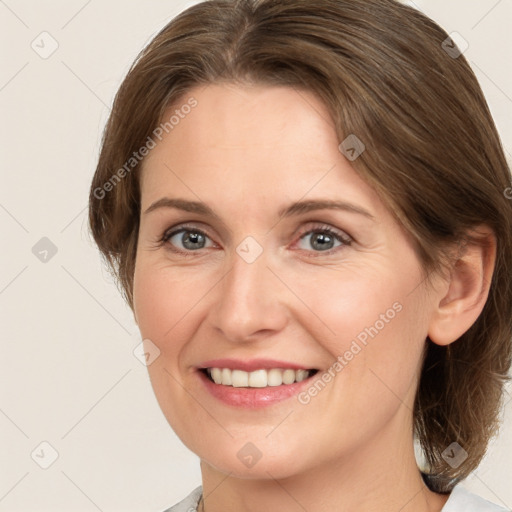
250	365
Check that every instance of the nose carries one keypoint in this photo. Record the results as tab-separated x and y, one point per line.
250	301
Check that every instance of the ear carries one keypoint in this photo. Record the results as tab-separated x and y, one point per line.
461	299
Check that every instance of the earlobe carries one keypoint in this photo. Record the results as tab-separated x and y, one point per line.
465	291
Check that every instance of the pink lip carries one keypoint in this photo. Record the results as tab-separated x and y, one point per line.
251	398
252	365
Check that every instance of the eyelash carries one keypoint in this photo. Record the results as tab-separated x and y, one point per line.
324	229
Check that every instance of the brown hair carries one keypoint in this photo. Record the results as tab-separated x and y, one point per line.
432	153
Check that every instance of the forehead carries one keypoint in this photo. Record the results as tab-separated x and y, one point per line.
266	140
244	117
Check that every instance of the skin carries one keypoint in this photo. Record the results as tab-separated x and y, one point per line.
247	152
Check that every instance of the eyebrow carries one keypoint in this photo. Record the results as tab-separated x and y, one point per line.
297	208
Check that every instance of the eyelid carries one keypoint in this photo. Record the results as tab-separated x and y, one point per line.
322	226
342	236
169	233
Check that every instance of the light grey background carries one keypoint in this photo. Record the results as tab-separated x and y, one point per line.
68	373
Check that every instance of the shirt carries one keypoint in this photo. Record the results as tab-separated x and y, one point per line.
460	500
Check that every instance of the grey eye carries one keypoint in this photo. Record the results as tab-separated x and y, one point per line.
190	239
320	241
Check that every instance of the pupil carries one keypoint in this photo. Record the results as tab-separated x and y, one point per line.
192	239
323	240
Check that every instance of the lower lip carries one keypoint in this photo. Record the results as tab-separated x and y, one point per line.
252	398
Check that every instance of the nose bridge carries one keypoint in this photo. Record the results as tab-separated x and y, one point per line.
250	296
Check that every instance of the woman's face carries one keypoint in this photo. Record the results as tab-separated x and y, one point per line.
241	285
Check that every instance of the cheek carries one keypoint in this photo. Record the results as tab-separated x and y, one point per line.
346	302
164	304
163	297
369	321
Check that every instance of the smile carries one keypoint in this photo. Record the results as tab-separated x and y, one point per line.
261	378
253	383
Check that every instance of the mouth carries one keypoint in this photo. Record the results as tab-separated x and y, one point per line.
253	383
261	378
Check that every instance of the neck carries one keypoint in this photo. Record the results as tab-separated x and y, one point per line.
380	476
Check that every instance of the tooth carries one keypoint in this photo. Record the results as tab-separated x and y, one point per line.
274	377
258	379
288	376
301	375
217	375
226	376
239	379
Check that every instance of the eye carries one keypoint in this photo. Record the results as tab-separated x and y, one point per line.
318	239
191	239
323	239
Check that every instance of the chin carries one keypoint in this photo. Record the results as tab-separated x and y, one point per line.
278	468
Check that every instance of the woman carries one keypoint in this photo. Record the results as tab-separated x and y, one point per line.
305	206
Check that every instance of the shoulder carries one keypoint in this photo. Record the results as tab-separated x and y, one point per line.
189	504
462	500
